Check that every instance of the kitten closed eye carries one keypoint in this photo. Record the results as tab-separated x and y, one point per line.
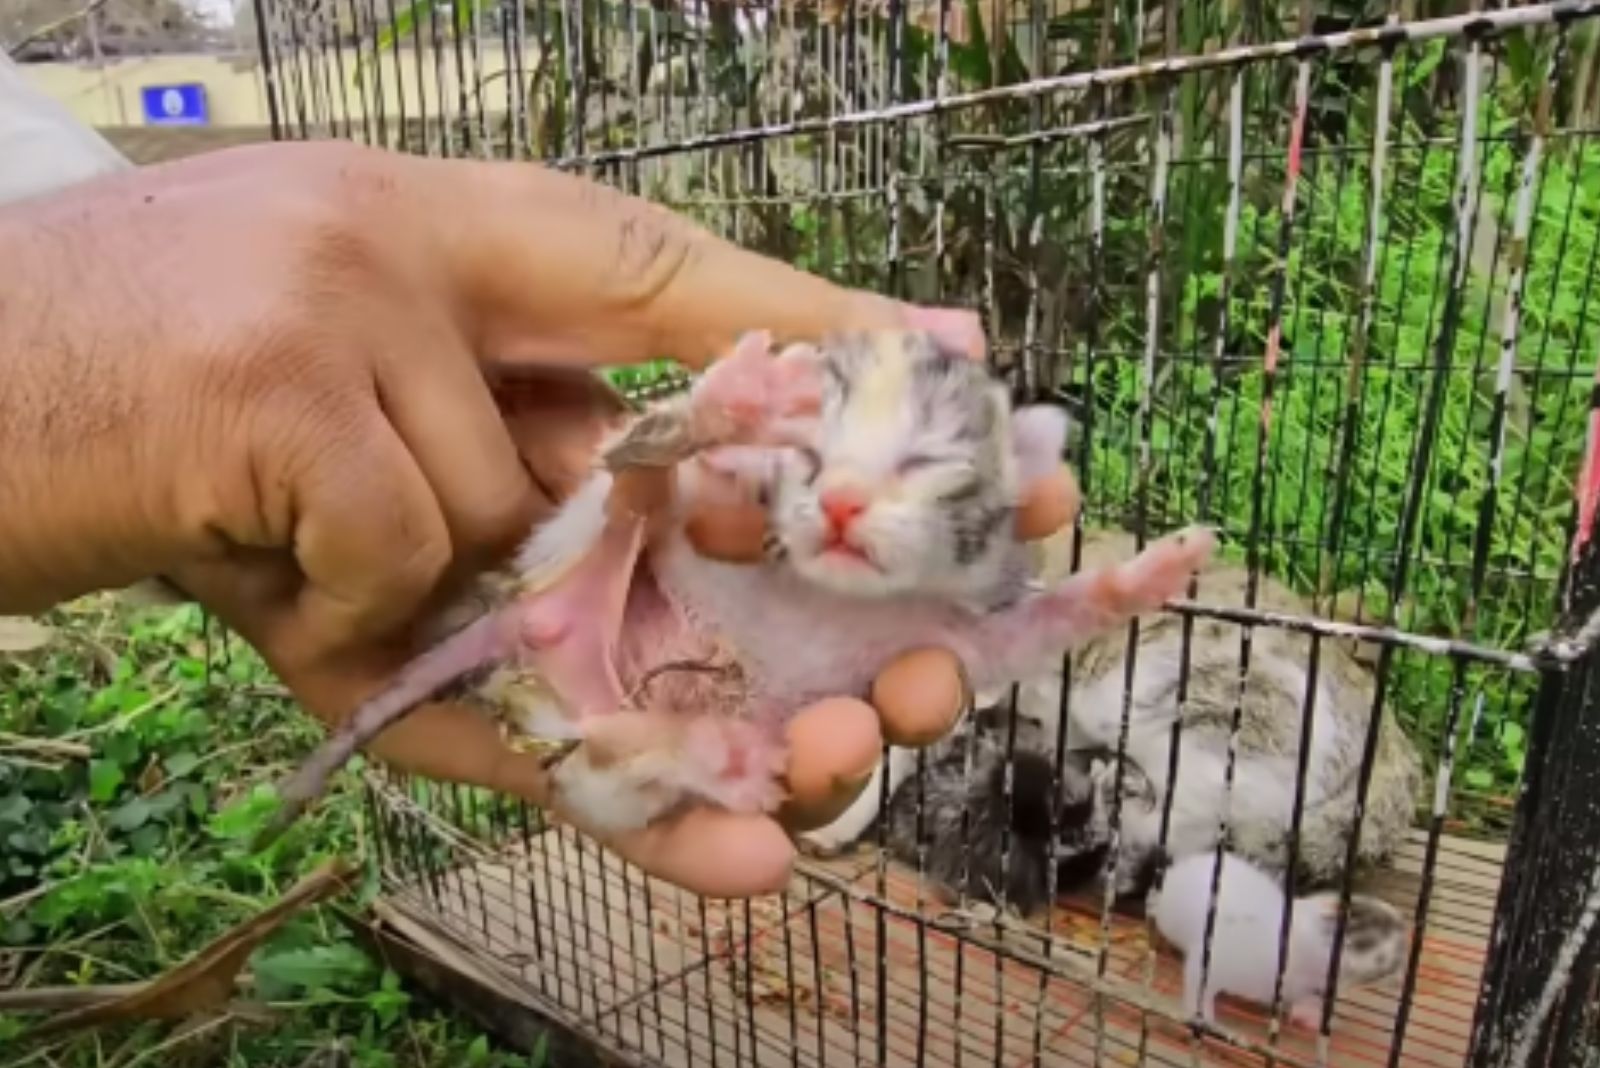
918	463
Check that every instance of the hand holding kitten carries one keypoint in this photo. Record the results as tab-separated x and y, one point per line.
343	382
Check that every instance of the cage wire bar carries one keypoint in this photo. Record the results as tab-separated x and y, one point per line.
1319	276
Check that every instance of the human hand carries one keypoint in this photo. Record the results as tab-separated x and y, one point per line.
292	397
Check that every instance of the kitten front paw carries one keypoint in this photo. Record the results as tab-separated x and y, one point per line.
1159	574
752	396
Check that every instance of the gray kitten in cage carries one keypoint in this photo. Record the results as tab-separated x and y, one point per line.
1265	769
971	833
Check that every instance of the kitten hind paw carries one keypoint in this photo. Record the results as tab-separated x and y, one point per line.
636	768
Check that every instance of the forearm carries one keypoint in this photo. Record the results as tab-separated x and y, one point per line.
71	422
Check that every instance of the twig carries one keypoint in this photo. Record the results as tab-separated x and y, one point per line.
42	1054
184	1034
267	690
28	762
51	950
45	746
18	900
127	717
56	998
51	27
215	754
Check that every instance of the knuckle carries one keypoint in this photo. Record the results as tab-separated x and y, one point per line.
338	230
419	559
651	251
268	410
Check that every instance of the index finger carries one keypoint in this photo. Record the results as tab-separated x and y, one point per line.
553	268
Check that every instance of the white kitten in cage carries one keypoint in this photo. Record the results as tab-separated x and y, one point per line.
1246	938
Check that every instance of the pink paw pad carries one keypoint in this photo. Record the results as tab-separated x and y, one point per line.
750	394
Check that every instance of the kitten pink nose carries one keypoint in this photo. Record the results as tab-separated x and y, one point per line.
841	504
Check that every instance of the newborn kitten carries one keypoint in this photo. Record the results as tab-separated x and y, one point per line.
891	469
1267	749
1246	941
971	838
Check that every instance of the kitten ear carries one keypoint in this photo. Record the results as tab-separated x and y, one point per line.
1039	439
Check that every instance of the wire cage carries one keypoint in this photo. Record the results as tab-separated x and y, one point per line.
1319	278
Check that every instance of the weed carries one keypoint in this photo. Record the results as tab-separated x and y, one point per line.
122	845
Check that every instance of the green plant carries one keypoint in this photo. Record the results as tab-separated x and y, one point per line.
136	749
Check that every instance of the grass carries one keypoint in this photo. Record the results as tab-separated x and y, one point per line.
121	850
1330	520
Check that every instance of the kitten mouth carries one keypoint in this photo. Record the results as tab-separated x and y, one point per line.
839	549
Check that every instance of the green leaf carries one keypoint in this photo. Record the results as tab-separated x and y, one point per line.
130	816
147	840
541	1050
388	1001
478	1051
123	747
181	763
404	24
245	816
104	778
297	971
1519	55
14	807
1424	66
1479	779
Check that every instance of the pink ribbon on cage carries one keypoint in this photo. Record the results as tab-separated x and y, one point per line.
1291	182
1589	479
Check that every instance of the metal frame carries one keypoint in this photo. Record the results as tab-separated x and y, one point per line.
1118	115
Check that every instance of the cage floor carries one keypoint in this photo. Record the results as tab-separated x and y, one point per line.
669	978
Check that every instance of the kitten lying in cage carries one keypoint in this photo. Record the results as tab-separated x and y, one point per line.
1247	937
891	469
1265	771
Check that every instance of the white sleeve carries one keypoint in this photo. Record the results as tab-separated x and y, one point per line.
42	146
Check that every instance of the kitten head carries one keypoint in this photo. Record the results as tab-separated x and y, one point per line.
1375	935
915	475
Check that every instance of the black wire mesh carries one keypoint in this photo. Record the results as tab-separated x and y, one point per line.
1319	278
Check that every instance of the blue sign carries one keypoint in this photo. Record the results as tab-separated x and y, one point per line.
175	105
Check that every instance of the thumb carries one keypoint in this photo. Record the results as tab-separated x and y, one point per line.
447	742
554	268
